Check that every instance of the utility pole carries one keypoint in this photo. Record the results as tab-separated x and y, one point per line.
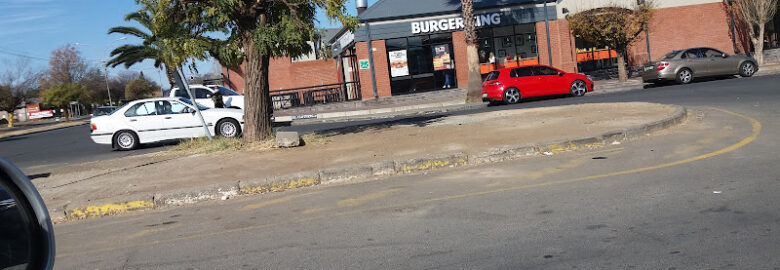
105	68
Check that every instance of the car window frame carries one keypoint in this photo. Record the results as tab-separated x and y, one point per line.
539	69
518	74
718	55
221	89
172	102
695	52
139	104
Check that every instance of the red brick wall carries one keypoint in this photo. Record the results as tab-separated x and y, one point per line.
561	43
380	70
283	74
461	61
705	25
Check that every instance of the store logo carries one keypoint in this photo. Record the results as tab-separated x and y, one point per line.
454	23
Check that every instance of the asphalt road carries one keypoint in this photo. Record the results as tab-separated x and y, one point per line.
38	153
701	195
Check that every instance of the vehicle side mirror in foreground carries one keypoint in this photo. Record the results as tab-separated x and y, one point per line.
25	226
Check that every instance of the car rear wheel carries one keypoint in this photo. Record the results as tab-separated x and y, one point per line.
747	69
512	96
228	128
684	76
578	88
126	140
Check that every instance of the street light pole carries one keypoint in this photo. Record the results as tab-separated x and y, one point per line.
105	69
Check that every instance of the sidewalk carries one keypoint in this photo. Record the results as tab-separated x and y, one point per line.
357	153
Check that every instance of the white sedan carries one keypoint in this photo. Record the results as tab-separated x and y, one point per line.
160	119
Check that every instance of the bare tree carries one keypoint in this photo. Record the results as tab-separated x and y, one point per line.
66	66
756	14
16	83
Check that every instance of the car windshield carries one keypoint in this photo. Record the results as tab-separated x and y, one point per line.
227	92
188	101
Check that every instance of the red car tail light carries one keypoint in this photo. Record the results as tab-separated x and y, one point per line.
94	127
661	66
494	83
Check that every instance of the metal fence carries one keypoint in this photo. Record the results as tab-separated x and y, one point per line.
312	95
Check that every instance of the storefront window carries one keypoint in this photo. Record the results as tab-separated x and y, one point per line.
507	46
592	57
421	63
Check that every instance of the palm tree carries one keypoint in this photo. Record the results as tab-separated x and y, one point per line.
473	93
150	47
168	40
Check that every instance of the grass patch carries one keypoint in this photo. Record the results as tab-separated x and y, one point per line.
315	138
204	146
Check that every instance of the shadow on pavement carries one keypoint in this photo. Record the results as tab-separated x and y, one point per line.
15	138
419	121
695	81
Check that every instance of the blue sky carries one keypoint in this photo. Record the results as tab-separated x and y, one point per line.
34	28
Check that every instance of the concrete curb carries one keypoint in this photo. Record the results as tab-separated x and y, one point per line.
372	170
382	113
42	129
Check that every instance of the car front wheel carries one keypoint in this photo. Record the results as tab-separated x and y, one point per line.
228	128
578	88
126	140
747	69
512	96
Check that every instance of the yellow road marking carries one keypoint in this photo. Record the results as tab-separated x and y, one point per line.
756	125
350	202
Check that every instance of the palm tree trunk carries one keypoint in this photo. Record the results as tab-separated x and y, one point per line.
169	75
474	92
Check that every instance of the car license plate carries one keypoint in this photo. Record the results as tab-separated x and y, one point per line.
484	95
648	68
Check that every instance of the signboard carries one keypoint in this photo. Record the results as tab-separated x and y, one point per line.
40	114
363	63
454	24
442	58
399	65
33	107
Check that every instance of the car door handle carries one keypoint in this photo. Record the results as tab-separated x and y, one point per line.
168	117
133	120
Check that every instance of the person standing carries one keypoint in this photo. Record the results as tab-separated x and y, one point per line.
217	98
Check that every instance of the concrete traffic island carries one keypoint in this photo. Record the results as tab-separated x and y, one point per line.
338	156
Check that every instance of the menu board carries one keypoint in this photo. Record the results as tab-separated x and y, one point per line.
399	65
442	59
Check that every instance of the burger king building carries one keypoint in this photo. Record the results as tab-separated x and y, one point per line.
413	46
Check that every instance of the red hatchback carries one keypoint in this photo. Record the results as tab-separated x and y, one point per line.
509	85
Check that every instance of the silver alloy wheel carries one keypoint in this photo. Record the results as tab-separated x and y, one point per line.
748	69
685	76
512	96
578	88
228	129
125	140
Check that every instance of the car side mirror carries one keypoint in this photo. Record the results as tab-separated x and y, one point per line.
561	74
724	55
26	230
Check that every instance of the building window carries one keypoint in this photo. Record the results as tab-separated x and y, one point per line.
507	46
421	63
